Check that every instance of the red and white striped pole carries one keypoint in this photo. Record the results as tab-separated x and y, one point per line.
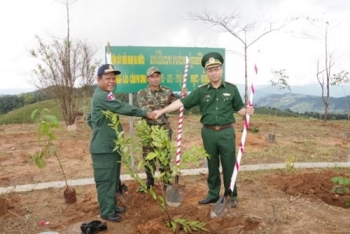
244	134
179	129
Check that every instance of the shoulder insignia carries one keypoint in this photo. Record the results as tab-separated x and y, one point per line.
203	85
165	88
110	97
229	83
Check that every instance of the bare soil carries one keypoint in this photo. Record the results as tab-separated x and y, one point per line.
274	201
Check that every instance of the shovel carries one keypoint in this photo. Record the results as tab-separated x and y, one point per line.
175	193
223	205
124	196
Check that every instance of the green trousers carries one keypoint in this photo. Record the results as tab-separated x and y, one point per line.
107	175
221	147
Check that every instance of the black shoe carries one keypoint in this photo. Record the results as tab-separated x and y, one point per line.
120	209
93	227
112	218
207	200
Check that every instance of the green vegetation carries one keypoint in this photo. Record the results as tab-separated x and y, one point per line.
12	102
158	138
47	123
290	164
22	115
19	112
341	186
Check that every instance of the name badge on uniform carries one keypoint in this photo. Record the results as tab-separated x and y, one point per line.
110	97
226	94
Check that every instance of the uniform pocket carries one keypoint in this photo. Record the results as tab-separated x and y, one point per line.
103	171
227	98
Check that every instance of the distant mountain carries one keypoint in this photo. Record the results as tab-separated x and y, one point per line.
306	98
301	98
310	89
304	103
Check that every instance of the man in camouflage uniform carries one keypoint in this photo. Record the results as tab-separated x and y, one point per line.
155	97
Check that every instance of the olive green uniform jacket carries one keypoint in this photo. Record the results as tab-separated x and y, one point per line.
217	106
106	163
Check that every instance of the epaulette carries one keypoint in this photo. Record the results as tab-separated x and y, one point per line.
229	83
165	87
203	85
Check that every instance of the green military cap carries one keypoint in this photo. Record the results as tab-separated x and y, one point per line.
212	59
152	70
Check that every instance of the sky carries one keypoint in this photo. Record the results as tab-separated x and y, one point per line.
166	23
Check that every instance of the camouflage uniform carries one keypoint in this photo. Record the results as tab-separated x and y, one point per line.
151	100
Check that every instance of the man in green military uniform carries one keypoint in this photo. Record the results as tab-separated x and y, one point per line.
155	97
218	100
105	161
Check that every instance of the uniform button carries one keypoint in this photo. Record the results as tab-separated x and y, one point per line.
217	99
216	108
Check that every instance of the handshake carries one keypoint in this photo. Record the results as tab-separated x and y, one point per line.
155	114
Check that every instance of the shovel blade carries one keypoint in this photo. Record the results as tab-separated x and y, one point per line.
126	199
175	194
221	208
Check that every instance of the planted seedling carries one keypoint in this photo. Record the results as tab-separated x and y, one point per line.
45	135
341	186
158	138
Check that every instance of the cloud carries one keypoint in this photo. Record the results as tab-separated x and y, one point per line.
163	23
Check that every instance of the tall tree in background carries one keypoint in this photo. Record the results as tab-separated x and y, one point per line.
66	70
329	59
231	23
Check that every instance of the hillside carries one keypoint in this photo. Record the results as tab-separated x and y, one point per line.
23	114
303	103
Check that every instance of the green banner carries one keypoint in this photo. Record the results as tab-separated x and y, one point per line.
133	63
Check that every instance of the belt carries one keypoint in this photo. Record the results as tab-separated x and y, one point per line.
218	127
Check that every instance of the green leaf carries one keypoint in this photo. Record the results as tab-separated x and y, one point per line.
152	193
34	113
151	156
39	160
39	134
51	119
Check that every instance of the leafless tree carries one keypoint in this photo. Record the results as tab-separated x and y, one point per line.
66	70
231	23
323	72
